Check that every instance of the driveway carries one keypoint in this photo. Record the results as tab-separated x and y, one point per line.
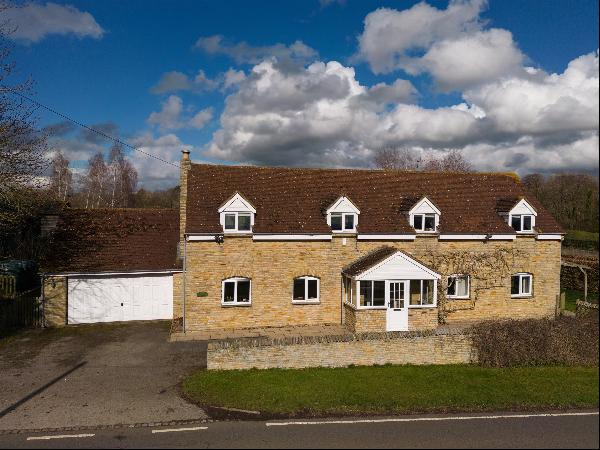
94	375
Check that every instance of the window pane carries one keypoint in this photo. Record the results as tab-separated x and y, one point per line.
516	223
427	298
451	286
514	285
230	221
244	222
379	293
313	291
349	221
365	293
430	222
415	292
299	289
462	286
336	221
526	223
418	222
243	291
229	291
526	284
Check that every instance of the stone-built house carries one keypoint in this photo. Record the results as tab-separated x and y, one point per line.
375	250
271	247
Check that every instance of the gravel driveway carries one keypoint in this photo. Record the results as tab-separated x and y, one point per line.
95	375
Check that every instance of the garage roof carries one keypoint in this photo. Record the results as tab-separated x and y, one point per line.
114	240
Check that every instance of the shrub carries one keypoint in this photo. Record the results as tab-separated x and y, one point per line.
569	341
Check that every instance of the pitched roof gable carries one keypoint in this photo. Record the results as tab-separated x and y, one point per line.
291	200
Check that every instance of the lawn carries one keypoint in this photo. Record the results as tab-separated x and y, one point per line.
394	389
571	297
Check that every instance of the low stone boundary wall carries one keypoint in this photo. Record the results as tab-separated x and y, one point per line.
429	347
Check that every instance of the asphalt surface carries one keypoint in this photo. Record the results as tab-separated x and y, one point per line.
95	375
451	431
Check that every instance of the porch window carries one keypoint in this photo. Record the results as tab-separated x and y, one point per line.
372	293
306	290
521	285
348	291
421	292
458	286
236	291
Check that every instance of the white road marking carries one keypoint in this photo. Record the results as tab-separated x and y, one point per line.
175	430
59	436
429	419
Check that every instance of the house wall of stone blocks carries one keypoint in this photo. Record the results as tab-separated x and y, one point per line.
272	266
55	290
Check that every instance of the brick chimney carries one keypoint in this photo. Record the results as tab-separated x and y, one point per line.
184	170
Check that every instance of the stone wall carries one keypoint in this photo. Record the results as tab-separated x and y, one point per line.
55	301
272	266
415	348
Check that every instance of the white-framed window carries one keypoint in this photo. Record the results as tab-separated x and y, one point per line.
521	285
306	290
424	216
422	293
238	222
458	286
343	222
236	291
425	223
371	294
522	223
348	297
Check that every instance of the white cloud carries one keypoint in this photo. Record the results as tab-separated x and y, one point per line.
34	22
322	116
244	53
451	45
232	78
174	81
173	117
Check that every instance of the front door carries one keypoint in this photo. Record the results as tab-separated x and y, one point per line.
397	305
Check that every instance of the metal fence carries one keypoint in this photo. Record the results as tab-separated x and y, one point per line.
22	311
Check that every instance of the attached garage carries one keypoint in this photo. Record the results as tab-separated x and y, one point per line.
119	298
113	265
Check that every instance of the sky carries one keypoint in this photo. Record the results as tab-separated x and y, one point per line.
316	83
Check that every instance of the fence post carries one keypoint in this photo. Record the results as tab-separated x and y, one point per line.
563	301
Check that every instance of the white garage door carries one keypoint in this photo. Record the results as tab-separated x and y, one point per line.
119	298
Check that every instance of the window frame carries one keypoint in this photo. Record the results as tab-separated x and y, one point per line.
522	275
422	216
421	294
343	219
236	280
307	301
237	215
358	291
456	296
521	218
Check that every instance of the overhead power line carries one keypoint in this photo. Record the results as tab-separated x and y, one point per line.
93	130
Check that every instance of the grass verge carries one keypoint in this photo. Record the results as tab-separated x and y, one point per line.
394	389
571	297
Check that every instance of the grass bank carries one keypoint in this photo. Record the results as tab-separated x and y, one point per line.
394	389
571	297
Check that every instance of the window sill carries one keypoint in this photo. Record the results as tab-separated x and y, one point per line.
306	302
367	308
237	233
234	305
455	297
422	306
344	231
521	296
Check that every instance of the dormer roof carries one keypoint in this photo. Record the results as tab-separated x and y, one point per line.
291	200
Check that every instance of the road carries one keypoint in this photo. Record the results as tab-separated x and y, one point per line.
563	430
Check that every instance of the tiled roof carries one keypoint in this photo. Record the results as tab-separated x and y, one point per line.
114	240
290	200
369	260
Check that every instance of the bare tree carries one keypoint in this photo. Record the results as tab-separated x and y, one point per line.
61	178
392	158
94	182
122	178
453	161
22	147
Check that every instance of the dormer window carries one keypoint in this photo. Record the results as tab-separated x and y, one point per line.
237	215
522	217
424	216
342	216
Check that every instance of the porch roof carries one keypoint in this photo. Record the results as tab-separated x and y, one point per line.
390	263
